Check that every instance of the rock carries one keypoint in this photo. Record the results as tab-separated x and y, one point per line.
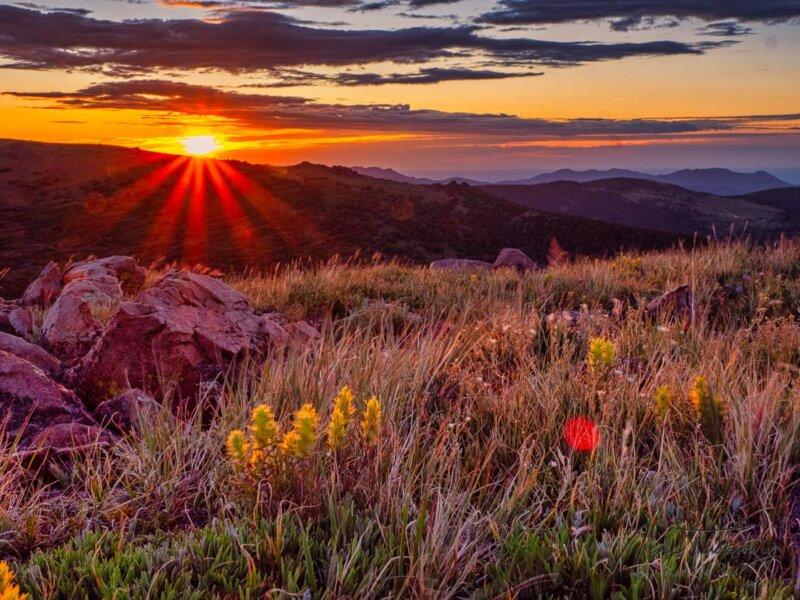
184	330
269	328
45	288
32	353
123	412
21	321
76	319
512	258
30	401
123	268
461	265
60	444
677	303
303	332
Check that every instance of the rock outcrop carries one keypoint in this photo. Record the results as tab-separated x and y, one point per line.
677	303
45	288
183	330
30	401
513	258
125	411
34	354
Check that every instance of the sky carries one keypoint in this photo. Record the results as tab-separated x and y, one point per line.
491	89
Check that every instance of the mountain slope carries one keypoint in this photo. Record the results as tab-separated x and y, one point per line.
651	205
785	199
61	201
721	182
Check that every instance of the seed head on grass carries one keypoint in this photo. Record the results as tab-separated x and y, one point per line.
371	423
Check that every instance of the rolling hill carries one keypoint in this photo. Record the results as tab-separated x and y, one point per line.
721	182
657	206
61	201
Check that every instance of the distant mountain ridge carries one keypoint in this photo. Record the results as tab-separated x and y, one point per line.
662	206
717	181
62	201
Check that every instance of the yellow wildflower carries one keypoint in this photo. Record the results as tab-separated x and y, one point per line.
663	399
337	428
601	354
263	427
371	423
237	446
709	409
304	428
9	590
344	402
289	443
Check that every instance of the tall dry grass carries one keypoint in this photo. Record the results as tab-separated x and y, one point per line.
472	490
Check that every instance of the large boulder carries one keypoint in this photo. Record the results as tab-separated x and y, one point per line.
30	401
44	289
15	318
183	331
513	258
461	265
124	411
55	448
32	353
677	303
76	319
123	268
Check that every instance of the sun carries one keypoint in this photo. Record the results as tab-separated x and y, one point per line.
200	145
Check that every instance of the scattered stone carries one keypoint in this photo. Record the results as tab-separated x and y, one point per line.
183	330
45	288
76	319
32	353
125	411
677	303
513	258
30	401
21	321
461	265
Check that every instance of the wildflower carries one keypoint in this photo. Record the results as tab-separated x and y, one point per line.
289	443
237	446
337	428
709	409
663	399
263	427
601	354
9	590
304	428
344	402
371	423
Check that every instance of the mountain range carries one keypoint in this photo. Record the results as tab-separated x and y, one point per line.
62	201
717	181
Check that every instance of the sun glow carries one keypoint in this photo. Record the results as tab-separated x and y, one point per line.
200	145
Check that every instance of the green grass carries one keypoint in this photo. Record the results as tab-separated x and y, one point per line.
472	491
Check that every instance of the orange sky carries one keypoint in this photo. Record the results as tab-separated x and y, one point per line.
693	81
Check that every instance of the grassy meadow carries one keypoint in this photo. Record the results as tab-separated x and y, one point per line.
463	485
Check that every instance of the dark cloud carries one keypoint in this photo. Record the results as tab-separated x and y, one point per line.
257	111
427	75
725	29
261	41
631	13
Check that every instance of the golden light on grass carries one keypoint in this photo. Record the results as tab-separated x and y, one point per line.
200	145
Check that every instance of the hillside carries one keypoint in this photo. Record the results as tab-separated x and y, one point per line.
419	434
652	205
62	201
785	199
721	182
